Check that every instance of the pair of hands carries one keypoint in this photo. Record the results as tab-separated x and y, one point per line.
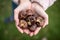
37	8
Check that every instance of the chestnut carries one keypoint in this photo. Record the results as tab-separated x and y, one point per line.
33	28
30	20
23	24
22	15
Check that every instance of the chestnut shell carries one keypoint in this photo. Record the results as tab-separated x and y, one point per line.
31	21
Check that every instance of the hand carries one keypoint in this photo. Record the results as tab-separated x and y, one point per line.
23	6
42	13
37	9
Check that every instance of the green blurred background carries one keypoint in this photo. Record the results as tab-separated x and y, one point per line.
10	32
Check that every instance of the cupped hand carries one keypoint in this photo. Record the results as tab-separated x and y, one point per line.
22	6
38	9
43	14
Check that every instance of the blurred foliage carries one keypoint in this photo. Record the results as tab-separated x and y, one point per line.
10	32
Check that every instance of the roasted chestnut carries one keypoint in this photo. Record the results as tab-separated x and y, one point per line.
32	28
23	24
22	15
30	20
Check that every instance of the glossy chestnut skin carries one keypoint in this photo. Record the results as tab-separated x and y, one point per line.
31	20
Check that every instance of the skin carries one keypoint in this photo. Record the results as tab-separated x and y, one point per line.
24	5
42	13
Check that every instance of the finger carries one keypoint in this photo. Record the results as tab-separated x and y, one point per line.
17	22
37	30
26	31
16	12
20	30
46	23
31	34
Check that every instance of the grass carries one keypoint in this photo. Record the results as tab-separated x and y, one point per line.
10	32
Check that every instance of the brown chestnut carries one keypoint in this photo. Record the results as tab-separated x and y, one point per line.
23	24
30	20
33	27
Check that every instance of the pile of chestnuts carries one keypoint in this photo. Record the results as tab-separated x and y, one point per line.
29	19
